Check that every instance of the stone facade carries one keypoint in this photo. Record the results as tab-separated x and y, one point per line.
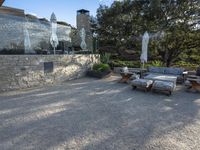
40	33
83	21
12	32
12	35
14	23
24	71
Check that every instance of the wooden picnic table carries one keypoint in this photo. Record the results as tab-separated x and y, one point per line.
195	82
125	77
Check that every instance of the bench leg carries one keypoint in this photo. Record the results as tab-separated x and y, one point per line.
170	93
149	88
134	87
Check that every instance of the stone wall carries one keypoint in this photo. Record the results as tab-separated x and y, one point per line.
24	71
12	29
12	32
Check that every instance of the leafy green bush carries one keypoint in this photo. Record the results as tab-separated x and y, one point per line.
129	64
155	63
12	52
101	67
105	58
186	65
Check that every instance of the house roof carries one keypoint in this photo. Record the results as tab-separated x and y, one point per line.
11	11
83	11
1	2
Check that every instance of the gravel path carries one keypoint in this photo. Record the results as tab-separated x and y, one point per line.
90	114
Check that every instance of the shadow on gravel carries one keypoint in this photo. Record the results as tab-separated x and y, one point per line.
97	114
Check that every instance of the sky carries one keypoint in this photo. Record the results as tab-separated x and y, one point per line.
65	10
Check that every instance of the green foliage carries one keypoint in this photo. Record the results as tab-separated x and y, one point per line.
186	65
101	67
129	64
105	58
123	24
13	49
12	52
155	63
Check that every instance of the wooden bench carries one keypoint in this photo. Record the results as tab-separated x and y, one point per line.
130	71
142	83
195	82
125	77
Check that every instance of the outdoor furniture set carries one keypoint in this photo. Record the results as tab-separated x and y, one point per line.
131	73
193	81
158	79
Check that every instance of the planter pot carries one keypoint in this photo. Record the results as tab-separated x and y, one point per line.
99	75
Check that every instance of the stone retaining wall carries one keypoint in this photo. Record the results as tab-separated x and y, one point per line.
23	71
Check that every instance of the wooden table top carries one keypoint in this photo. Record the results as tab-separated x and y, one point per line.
193	76
192	79
161	77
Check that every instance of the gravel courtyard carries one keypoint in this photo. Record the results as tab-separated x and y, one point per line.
90	114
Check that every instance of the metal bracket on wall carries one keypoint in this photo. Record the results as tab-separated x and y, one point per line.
48	67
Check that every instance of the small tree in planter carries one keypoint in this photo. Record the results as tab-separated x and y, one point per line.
100	71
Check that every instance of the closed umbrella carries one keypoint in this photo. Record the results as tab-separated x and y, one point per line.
145	42
27	42
54	38
83	35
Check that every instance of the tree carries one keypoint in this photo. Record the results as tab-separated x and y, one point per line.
123	24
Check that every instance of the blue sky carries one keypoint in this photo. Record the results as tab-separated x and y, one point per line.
65	10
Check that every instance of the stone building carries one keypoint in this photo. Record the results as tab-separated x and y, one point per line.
11	29
14	22
83	21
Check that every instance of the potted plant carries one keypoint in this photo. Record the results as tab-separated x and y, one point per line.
100	71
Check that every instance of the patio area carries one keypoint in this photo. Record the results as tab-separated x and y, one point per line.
95	114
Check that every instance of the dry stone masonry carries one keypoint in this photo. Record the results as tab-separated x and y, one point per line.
24	71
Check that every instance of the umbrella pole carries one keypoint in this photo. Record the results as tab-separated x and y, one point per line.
143	65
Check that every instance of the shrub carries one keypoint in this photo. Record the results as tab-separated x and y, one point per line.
129	64
186	65
105	58
101	67
155	63
12	52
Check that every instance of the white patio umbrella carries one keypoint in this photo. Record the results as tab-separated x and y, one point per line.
54	38
145	42
27	42
83	35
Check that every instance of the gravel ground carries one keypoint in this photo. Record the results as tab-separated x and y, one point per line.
90	114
